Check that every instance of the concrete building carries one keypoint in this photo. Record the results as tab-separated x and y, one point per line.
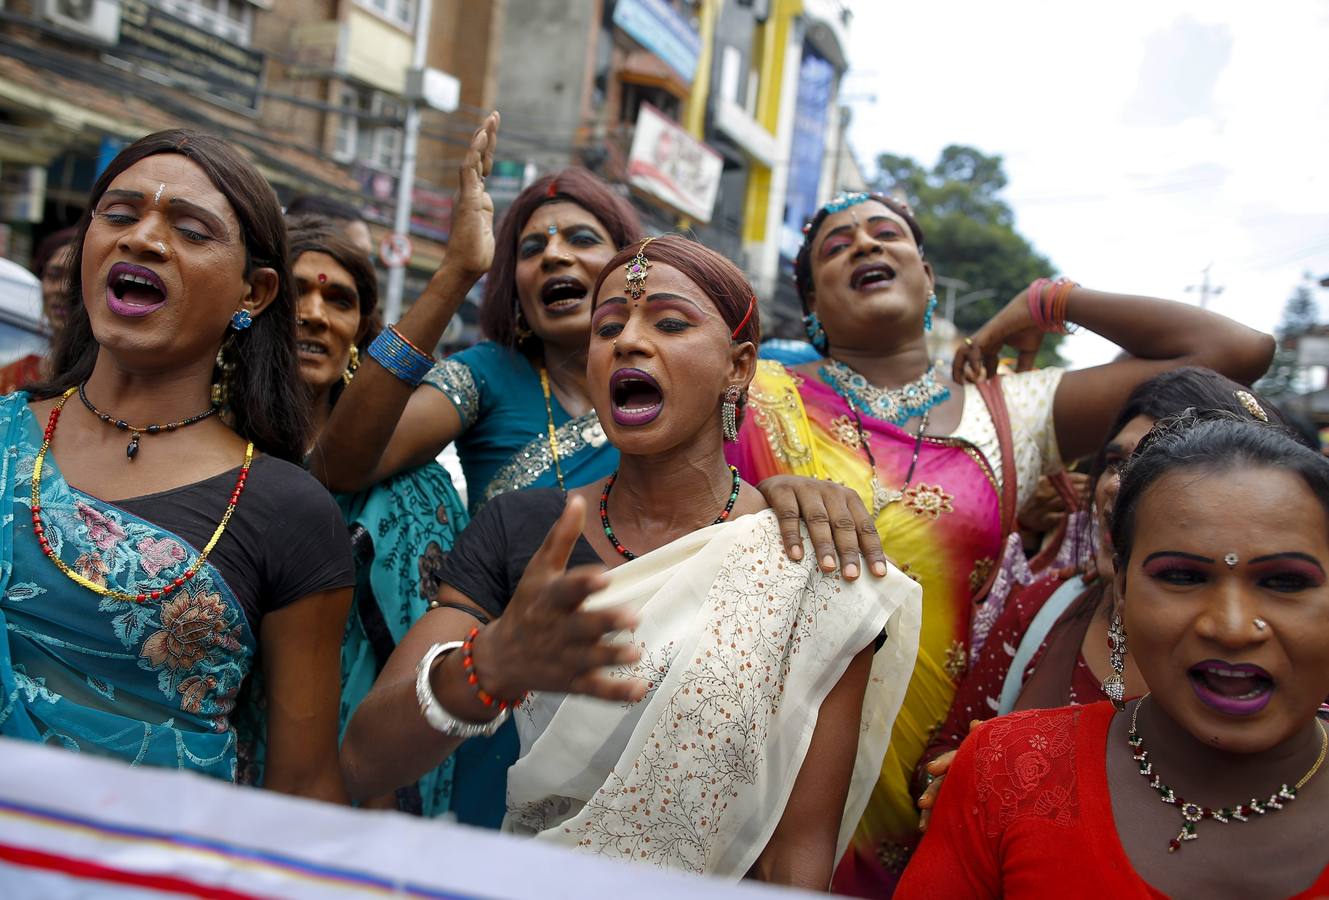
311	90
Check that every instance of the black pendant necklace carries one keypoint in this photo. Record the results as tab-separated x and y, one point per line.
135	431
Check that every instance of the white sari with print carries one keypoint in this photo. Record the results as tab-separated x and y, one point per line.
740	646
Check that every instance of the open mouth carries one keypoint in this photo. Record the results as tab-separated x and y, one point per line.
871	277
636	397
563	294
311	348
134	290
1235	689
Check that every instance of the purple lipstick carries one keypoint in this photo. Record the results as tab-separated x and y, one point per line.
636	396
134	290
1233	689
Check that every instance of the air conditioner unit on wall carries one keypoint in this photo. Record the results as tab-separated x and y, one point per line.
98	20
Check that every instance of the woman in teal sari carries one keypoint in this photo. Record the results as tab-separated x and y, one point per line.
403	528
132	627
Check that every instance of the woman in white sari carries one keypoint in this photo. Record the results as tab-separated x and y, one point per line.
706	704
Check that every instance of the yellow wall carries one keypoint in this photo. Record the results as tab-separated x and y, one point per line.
377	53
772	42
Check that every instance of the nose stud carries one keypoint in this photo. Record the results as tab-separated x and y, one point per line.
1260	624
161	248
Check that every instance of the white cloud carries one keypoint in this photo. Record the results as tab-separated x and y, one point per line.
1143	141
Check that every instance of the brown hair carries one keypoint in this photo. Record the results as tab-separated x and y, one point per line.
498	311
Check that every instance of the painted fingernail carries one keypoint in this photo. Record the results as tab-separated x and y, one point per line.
878	568
828	562
851	570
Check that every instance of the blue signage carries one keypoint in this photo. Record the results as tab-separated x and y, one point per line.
656	26
816	77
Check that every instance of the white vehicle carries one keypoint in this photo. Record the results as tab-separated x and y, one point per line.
22	331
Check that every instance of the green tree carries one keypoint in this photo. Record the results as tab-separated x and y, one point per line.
968	228
1300	314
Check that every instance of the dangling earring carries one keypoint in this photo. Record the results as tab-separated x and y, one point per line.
729	413
221	385
927	316
521	329
351	366
816	334
1115	684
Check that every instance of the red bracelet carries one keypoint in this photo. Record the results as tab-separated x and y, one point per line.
468	664
1036	310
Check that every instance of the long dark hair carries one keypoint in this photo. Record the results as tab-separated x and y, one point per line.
803	262
498	312
1212	442
266	404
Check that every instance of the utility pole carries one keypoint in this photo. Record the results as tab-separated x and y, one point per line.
406	182
1204	288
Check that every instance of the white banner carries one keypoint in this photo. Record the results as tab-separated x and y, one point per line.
672	166
78	826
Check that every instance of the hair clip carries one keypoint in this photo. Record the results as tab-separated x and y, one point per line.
1251	405
807	226
752	305
637	270
552	191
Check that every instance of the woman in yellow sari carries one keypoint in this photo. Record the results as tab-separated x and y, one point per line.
942	457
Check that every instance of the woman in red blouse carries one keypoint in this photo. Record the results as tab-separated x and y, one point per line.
1221	530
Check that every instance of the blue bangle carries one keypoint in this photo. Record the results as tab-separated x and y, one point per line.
394	353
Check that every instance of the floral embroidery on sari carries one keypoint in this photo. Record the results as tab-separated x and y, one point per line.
1025	768
928	500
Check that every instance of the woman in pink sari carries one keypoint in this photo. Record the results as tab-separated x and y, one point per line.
941	456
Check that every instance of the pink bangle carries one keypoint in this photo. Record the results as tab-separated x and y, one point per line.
1036	310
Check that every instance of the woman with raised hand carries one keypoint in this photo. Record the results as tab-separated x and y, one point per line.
1226	617
160	541
944	463
401	528
740	740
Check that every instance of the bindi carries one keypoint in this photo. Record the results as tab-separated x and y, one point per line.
157	197
322	278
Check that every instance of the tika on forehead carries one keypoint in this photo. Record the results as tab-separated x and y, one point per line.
157	197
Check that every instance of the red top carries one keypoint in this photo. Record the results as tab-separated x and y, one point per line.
1026	813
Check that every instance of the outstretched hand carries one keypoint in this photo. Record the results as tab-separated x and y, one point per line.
1014	326
471	244
545	640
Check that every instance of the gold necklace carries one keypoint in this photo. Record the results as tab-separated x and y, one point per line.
553	438
40	530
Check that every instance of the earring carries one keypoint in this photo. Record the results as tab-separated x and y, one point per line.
927	315
729	413
816	334
221	385
241	320
352	365
522	330
1115	684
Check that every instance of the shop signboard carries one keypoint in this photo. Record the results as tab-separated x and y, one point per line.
188	57
656	26
671	166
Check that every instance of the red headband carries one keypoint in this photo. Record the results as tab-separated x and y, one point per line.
752	304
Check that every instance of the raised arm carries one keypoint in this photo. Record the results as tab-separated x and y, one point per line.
1157	334
382	425
801	852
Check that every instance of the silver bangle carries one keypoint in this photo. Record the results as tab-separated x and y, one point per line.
439	718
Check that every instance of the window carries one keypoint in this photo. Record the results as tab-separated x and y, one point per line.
398	12
369	128
229	19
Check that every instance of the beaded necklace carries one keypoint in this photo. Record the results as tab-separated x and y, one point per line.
122	596
609	531
1193	813
894	405
553	439
134	431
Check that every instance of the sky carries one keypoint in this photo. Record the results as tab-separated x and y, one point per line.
1143	141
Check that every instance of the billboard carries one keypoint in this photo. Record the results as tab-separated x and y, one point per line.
672	166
